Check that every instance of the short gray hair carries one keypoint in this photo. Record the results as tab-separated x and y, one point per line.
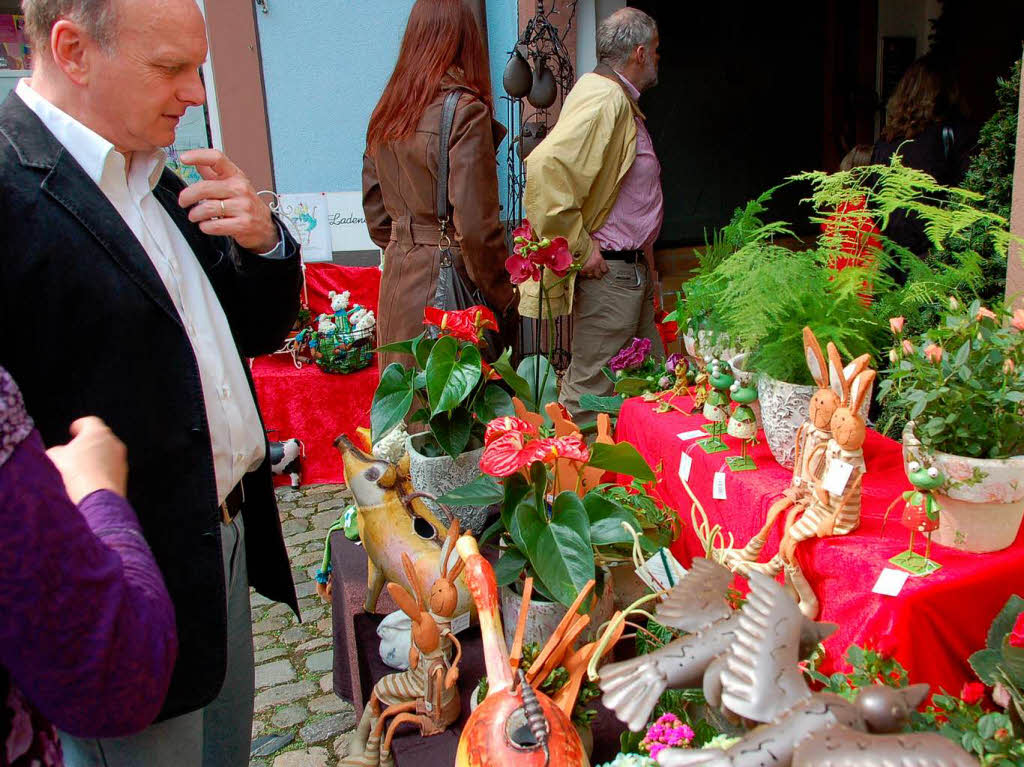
99	18
622	33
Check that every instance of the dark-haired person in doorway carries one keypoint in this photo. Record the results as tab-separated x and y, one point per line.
126	295
596	181
442	51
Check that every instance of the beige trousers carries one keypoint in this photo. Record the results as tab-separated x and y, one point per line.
607	314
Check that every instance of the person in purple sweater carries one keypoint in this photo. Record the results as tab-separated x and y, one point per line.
87	634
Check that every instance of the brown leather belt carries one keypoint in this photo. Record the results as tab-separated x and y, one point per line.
232	505
403	231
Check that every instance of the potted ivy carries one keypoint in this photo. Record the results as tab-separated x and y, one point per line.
961	385
555	525
450	393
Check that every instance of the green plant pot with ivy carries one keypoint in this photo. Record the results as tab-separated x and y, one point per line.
961	384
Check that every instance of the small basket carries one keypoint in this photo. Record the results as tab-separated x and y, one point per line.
344	350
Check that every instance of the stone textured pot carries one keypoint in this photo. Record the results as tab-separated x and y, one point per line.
982	501
627	585
439	475
544	617
783	408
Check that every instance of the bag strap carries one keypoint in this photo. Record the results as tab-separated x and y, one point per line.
444	138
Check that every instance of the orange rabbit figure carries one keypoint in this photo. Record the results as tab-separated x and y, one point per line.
426	694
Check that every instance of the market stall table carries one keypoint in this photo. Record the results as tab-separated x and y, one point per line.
936	621
308	404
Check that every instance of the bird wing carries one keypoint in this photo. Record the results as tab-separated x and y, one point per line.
761	679
843	747
699	598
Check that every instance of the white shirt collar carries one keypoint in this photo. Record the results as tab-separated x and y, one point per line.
629	86
97	156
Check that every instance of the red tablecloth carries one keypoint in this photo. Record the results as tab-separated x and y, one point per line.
312	405
937	621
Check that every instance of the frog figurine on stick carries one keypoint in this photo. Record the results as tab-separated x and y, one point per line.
716	407
743	424
920	514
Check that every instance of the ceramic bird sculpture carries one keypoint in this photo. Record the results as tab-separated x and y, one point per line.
758	679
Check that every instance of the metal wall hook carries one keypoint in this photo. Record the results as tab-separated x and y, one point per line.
263	6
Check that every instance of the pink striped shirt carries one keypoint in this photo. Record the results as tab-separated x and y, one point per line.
636	217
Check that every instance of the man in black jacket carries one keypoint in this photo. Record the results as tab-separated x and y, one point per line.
126	295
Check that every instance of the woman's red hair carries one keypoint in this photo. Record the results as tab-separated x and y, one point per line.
442	37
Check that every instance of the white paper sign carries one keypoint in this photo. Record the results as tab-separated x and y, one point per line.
460	623
718	489
685	465
662	571
306	216
692	434
837	476
348	222
890	582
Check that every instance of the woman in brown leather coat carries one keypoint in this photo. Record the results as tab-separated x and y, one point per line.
442	50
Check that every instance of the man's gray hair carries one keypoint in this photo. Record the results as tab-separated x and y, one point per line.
97	16
622	33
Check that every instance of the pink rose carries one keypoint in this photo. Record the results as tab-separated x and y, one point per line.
933	352
1018	319
1008	366
972	692
896	325
985	314
908	348
958	471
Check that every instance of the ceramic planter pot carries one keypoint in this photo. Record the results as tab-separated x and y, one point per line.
439	475
627	585
544	617
784	407
982	501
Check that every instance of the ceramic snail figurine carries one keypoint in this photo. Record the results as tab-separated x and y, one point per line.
758	679
516	723
393	520
698	606
742	423
920	515
816	430
426	694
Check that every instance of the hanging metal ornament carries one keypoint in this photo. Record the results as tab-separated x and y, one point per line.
544	92
532	134
518	79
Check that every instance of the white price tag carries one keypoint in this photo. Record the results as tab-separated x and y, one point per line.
460	623
662	571
685	465
692	434
837	476
890	582
718	488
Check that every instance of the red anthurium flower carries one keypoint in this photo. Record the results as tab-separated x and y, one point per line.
521	269
555	257
465	324
504	455
1016	638
508	424
972	692
550	449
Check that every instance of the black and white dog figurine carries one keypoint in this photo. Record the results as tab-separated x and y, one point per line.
286	458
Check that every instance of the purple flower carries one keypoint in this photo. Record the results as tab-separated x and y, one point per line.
632	356
672	361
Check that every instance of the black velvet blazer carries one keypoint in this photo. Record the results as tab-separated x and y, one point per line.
87	328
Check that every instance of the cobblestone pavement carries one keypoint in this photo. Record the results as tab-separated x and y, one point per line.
293	661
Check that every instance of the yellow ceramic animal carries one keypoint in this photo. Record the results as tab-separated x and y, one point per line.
393	520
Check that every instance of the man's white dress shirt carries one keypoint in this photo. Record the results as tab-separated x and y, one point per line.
235	431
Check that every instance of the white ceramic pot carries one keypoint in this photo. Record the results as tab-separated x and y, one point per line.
544	617
982	502
784	407
439	475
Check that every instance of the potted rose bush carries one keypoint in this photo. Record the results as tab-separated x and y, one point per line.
451	394
961	385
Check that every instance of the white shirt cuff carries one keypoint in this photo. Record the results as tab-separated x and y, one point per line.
277	252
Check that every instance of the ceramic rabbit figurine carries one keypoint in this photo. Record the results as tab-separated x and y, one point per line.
813	433
426	695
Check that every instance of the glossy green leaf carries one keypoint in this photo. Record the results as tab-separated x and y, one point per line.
563	556
526	525
1003	622
482	491
508	568
399	347
622	458
611	405
452	372
631	386
452	431
516	382
493	403
421	348
542	381
606	518
391	400
986	665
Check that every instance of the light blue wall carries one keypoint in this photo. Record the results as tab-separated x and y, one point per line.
502	33
325	64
